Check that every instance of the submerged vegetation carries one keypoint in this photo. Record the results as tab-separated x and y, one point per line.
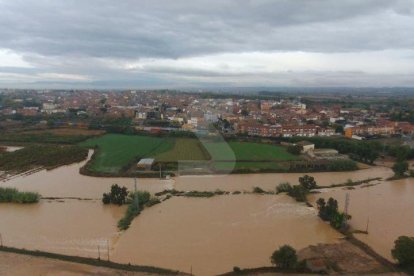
298	192
41	156
51	136
328	211
136	202
13	195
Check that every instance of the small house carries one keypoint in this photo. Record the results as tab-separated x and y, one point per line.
145	164
306	146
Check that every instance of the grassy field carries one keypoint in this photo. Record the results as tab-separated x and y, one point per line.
117	150
184	149
248	166
249	151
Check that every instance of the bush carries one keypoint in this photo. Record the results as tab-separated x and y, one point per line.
13	195
284	187
403	251
308	182
285	257
134	209
153	201
294	149
342	165
199	194
258	190
400	168
299	193
236	269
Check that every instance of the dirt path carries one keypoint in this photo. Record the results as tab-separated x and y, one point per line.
17	264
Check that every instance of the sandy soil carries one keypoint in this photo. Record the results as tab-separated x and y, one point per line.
16	264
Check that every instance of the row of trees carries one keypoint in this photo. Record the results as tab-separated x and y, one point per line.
136	202
328	211
298	192
364	151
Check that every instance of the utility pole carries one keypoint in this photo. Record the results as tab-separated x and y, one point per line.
345	222
135	193
1	240
107	248
99	253
366	230
160	172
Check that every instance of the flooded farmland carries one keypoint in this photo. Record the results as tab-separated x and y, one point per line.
70	227
213	235
233	230
386	210
67	182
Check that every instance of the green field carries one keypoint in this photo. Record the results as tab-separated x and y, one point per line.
248	152
248	166
115	151
184	149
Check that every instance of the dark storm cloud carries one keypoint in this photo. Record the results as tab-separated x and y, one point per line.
111	43
154	28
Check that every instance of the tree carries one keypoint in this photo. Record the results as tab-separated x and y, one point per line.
403	251
294	149
285	257
118	195
327	210
298	192
339	129
308	182
400	168
106	198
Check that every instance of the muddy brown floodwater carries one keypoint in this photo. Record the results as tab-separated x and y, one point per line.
70	227
67	182
223	231
386	210
213	235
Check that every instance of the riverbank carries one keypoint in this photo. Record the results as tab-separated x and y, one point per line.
25	262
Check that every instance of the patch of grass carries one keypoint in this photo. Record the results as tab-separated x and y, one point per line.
273	166
184	149
13	195
249	152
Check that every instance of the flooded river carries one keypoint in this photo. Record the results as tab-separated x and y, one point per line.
181	233
67	182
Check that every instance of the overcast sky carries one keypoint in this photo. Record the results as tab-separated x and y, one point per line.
195	43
